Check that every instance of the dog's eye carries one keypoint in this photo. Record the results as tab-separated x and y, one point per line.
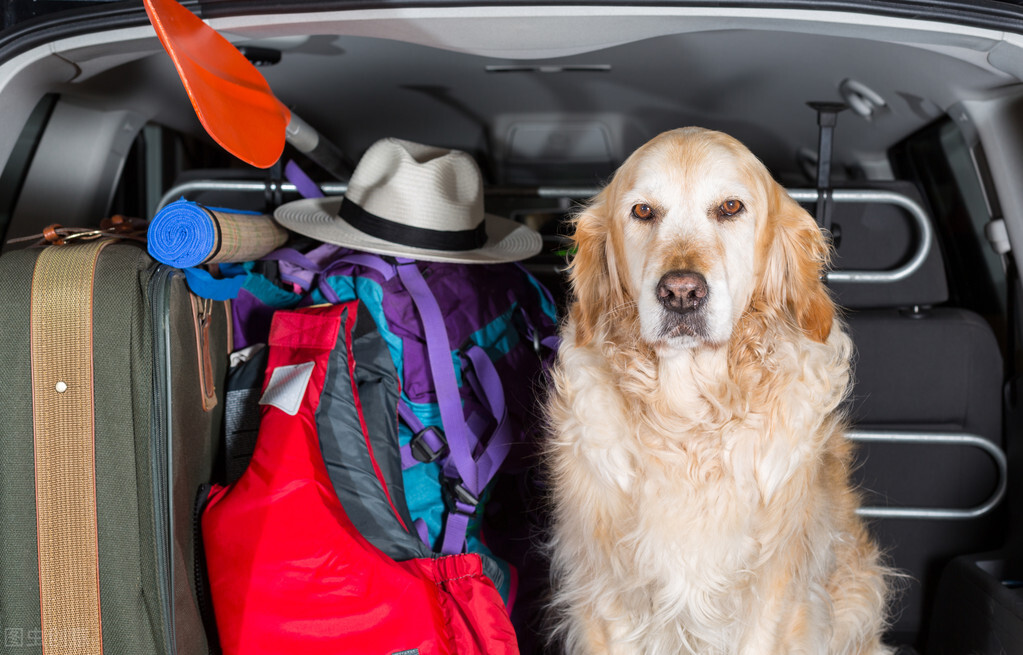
642	211
730	208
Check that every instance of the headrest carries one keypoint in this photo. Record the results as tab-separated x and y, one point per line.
876	236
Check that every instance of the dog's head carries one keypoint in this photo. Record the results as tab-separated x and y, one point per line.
690	236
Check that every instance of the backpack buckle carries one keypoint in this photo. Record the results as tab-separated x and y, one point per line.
429	444
460	499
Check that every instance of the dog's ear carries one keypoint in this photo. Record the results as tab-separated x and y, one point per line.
797	255
593	273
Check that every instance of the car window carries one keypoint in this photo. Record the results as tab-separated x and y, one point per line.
21	156
964	174
939	161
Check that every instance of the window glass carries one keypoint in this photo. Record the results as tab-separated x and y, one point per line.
965	175
16	169
939	161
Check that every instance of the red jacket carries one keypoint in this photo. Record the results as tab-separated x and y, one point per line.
288	570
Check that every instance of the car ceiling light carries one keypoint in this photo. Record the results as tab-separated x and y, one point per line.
861	98
568	68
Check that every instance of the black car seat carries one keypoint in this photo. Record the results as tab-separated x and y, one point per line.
925	373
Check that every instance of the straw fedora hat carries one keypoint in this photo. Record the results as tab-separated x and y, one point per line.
410	200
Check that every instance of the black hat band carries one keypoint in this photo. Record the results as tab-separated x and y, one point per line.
410	235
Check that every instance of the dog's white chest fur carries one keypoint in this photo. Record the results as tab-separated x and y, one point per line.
680	503
691	527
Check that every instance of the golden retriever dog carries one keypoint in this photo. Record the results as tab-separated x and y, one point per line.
699	470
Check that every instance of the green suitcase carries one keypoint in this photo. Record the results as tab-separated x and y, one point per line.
109	424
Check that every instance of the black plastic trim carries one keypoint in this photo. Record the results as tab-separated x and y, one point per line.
30	33
201	578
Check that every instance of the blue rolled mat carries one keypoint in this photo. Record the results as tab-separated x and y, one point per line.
185	234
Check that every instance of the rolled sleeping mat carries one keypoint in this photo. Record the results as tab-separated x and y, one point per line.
185	234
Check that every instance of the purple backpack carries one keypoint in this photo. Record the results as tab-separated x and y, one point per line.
470	344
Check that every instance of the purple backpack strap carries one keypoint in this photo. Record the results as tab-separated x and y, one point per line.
304	270
467	474
428	443
488	459
442	370
296	268
304	184
486	384
368	260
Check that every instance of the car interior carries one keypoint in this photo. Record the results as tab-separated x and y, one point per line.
926	213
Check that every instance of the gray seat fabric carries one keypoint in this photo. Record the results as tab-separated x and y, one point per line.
918	367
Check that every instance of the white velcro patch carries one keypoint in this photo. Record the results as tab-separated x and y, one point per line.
287	386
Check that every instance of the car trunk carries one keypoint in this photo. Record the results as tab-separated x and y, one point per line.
549	100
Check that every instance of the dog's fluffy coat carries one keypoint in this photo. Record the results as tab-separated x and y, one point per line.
699	471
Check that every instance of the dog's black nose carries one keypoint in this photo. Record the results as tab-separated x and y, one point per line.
682	291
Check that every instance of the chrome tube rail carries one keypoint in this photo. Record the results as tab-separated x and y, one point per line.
924	244
338	188
185	189
936	439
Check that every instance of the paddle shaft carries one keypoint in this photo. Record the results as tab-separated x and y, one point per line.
325	154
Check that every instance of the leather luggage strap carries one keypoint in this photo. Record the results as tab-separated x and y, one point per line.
64	437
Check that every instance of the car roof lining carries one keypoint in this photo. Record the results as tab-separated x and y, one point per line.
420	73
626	35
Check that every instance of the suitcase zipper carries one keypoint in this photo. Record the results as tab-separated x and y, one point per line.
160	447
161	457
202	314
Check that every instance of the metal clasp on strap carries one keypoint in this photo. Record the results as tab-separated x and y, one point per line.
460	499
425	449
116	226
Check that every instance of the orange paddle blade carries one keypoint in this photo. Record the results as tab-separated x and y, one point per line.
231	98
